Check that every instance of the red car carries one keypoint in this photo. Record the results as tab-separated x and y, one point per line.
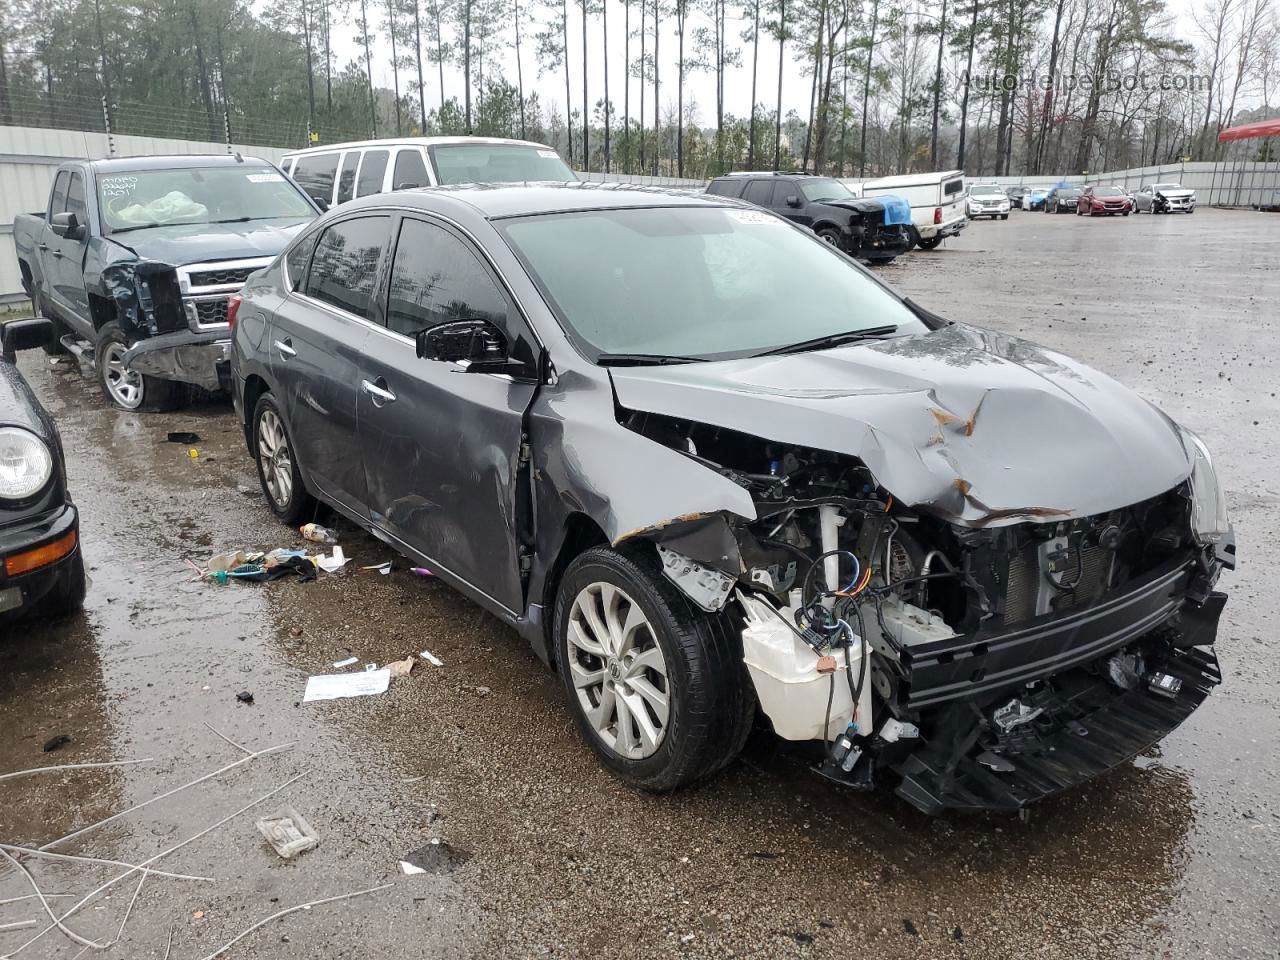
1103	200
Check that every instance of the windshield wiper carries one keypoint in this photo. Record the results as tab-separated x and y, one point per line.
642	359
831	340
239	219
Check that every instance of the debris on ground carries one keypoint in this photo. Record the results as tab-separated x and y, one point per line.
421	572
436	857
55	742
318	534
224	562
184	437
431	658
336	686
244	696
288	832
346	663
334	562
483	691
401	668
382	568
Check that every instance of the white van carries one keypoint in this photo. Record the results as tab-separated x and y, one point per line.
336	173
937	202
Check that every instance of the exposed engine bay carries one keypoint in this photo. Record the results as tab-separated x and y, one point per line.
986	666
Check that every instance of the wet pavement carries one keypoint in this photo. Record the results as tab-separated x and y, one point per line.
544	853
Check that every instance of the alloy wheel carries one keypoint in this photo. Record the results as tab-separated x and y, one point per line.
124	385
275	458
618	669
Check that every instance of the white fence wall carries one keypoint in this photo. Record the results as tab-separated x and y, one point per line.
1227	184
29	156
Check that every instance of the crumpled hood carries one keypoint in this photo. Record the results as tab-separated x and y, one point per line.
181	244
863	205
1175	194
975	426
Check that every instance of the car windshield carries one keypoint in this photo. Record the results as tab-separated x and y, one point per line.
1167	186
498	163
816	191
136	199
704	283
987	192
1069	194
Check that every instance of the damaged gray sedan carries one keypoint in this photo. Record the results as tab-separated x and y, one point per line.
709	467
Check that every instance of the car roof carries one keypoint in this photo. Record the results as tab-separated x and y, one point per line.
497	201
411	142
178	161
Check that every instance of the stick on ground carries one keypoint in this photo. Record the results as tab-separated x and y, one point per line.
71	766
57	921
45	855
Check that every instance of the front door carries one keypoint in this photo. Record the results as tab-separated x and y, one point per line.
316	341
441	447
68	257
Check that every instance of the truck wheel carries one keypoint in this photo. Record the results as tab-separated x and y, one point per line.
67	595
126	388
656	685
928	243
831	237
277	467
59	328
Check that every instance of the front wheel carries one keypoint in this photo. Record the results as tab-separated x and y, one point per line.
277	467
128	389
831	237
1004	216
657	685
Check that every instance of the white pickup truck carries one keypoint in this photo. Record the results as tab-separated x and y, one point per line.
937	202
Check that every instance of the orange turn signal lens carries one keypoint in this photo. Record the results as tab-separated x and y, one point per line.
41	556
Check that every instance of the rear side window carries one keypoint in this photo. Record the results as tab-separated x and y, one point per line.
315	175
725	188
952	187
347	176
75	198
58	198
371	172
298	257
410	171
759	192
345	265
435	278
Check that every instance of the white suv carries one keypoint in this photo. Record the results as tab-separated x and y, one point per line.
987	200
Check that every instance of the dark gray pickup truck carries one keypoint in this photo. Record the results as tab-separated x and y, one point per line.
134	260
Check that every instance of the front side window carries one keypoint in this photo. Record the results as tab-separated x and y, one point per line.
702	282
75	198
235	193
298	257
58	196
345	265
371	172
410	171
315	173
435	278
498	163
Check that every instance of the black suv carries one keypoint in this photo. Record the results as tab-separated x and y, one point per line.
851	223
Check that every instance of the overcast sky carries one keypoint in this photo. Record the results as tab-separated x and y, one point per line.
699	86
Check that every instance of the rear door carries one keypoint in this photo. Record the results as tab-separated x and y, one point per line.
441	447
317	336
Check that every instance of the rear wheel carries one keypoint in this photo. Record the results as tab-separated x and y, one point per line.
277	468
128	389
656	685
928	243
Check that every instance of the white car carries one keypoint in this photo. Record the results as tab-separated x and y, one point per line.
987	200
1164	198
937	202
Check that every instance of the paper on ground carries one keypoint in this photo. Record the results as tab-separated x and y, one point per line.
333	563
335	686
346	663
431	658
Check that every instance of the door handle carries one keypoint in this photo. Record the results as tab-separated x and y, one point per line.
378	393
286	349
42	245
58	254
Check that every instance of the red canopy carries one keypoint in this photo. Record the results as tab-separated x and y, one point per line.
1249	131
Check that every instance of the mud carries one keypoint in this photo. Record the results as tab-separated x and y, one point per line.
1175	856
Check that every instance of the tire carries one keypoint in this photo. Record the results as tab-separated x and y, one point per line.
60	329
1126	213
710	704
277	466
67	595
928	243
1004	216
831	236
881	261
126	389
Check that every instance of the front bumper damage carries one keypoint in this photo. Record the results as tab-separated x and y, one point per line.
202	358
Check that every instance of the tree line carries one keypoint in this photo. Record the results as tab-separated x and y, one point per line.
856	87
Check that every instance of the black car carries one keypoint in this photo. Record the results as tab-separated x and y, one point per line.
1062	200
41	567
700	460
848	222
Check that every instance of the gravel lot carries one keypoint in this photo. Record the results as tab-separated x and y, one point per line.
1175	856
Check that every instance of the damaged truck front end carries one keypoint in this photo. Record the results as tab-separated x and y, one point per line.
974	653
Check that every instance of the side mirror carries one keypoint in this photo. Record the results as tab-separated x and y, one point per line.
793	201
66	225
407	185
321	202
25	335
476	345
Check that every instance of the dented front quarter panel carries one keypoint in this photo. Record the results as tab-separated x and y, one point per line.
976	427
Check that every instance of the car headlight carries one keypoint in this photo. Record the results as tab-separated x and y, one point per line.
1209	522
25	463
